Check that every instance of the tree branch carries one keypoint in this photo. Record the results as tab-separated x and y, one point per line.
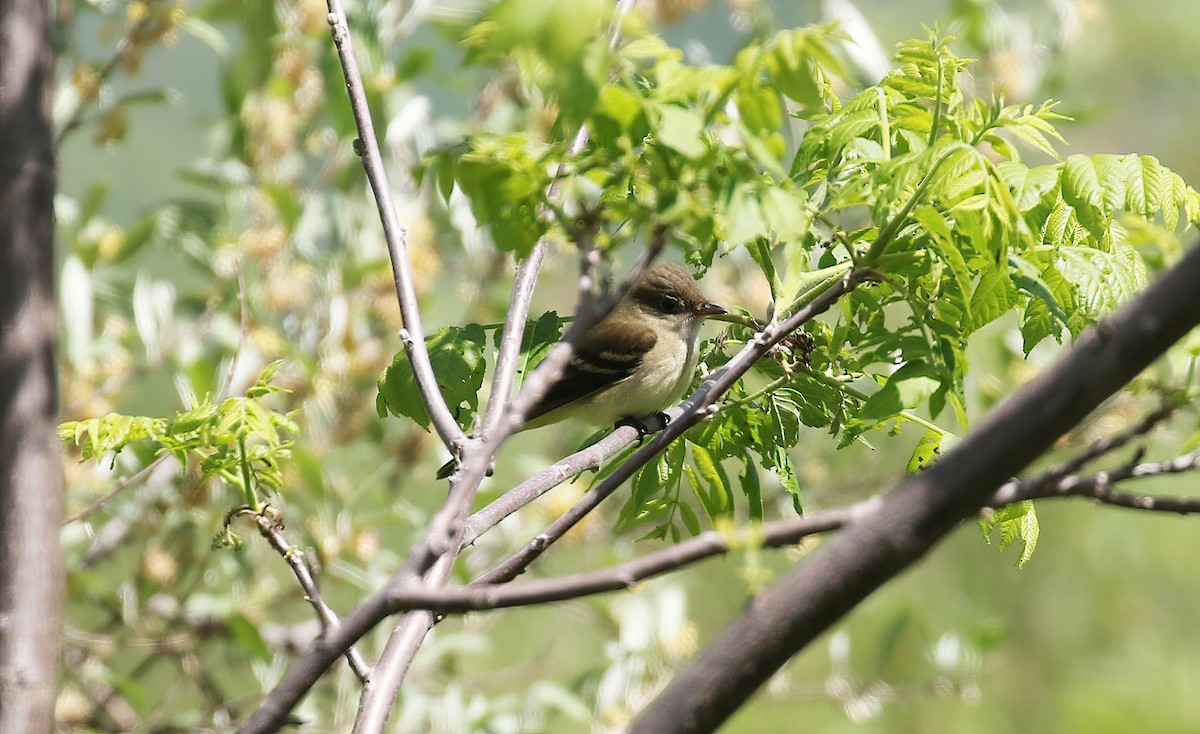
272	530
31	473
1100	487
483	595
512	334
923	509
412	335
378	695
546	480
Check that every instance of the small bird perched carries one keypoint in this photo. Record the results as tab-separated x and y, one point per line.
634	363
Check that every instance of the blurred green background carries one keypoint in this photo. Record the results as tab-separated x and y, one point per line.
1097	634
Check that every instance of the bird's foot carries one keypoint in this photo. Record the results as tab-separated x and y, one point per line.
645	426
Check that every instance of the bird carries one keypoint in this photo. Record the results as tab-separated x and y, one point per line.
635	362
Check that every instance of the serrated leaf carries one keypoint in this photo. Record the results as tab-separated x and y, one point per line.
1082	190
992	297
1017	523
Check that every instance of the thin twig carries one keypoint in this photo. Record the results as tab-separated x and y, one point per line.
1100	487
412	335
546	480
122	485
776	534
511	337
1102	447
157	476
271	529
480	595
76	118
378	696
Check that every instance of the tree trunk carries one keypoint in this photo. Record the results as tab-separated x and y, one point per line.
31	481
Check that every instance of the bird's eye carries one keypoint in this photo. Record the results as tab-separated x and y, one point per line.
670	304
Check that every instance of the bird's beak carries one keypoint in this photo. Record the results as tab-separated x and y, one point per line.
711	309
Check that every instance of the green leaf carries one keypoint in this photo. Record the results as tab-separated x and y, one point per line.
786	213
457	357
992	297
1017	523
1102	280
111	432
505	182
690	521
710	484
753	488
619	105
907	387
538	338
247	637
928	449
681	130
1082	190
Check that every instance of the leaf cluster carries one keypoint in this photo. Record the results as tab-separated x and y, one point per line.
959	205
240	440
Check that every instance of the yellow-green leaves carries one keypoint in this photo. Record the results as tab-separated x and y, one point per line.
109	433
914	178
794	60
1018	525
506	184
681	130
241	440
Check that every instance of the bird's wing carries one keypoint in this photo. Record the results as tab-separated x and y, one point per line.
608	353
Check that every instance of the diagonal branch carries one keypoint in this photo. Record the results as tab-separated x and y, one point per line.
272	530
545	480
923	509
412	335
1100	448
1101	487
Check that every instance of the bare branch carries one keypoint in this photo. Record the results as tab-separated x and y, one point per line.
271	529
544	481
482	595
379	694
1100	487
511	336
1105	446
274	710
121	486
413	334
